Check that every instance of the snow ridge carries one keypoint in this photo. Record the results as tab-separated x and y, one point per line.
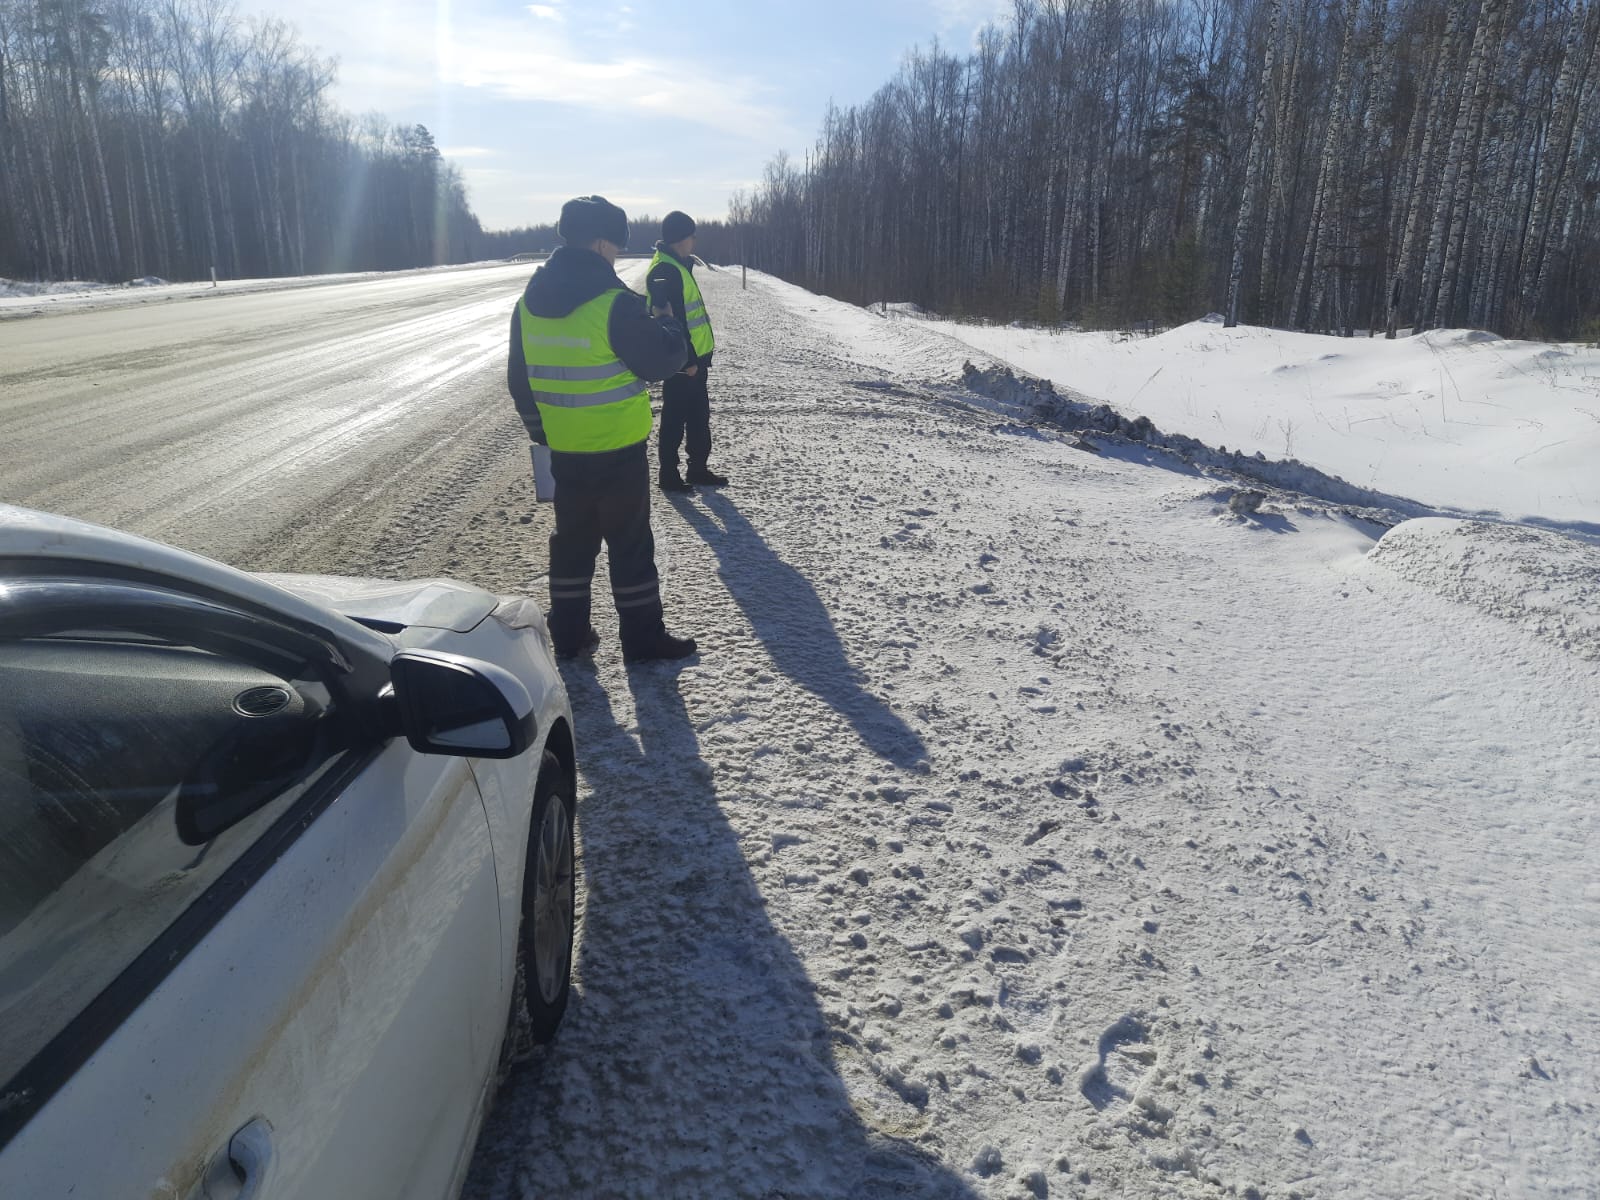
1546	583
1046	405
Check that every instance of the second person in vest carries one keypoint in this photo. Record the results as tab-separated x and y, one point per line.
685	398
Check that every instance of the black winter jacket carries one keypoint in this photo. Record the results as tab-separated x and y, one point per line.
665	287
651	347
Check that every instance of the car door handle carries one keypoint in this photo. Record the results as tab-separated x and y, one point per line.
244	1168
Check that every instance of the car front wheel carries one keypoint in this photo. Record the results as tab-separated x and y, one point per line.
549	903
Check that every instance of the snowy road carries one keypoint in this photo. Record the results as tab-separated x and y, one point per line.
1029	826
281	428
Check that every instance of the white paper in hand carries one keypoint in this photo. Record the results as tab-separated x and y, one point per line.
544	479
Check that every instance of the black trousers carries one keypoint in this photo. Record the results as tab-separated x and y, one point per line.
685	418
603	497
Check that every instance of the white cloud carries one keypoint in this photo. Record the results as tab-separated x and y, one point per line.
468	152
963	18
520	62
535	55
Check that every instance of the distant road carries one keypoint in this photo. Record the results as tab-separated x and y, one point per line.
317	428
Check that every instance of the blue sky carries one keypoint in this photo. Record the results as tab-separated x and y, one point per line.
657	106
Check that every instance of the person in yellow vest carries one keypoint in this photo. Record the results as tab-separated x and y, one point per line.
685	400
582	349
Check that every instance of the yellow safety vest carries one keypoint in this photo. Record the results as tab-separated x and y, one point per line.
694	307
588	399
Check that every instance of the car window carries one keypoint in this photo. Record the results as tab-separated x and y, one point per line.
121	759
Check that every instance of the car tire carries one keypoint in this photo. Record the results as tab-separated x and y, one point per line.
546	936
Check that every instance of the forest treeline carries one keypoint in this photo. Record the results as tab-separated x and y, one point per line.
1338	165
171	137
644	230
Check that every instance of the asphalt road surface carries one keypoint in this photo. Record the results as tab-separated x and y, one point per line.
357	428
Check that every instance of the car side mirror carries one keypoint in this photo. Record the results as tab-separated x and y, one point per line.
451	704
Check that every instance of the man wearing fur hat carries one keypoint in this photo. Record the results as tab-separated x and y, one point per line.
582	348
685	401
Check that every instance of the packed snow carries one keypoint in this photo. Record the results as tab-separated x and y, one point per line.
1061	811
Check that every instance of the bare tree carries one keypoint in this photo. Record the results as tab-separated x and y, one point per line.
1251	189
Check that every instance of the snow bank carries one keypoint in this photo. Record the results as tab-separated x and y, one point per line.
21	288
896	308
1041	402
1459	419
14	289
1541	581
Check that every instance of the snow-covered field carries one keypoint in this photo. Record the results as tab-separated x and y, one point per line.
1460	419
1035	824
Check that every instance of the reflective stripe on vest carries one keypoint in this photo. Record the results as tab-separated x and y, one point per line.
694	306
588	399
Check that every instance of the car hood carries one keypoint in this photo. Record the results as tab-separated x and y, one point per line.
423	603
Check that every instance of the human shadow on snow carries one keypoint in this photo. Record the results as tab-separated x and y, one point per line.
695	1059
795	627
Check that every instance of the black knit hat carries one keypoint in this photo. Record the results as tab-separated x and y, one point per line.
676	226
587	218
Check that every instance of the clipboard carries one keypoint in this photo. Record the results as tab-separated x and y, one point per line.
544	479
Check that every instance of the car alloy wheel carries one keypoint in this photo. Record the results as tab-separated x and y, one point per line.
549	901
552	902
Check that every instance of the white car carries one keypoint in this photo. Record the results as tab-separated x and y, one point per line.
278	856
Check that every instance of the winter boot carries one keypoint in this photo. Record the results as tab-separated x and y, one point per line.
671	481
658	645
584	647
706	476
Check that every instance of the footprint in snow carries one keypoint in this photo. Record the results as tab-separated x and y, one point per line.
1124	1060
